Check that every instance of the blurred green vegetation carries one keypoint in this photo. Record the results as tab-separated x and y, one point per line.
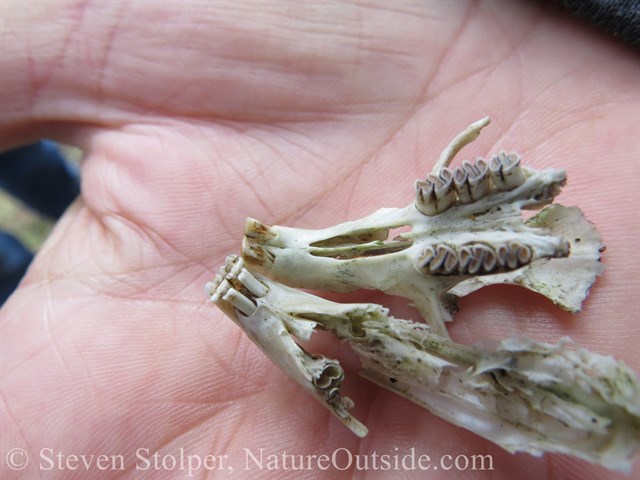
26	225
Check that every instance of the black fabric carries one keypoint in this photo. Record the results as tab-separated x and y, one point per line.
620	18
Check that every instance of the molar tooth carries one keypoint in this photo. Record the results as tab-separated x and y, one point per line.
512	258
439	261
425	197
436	194
524	254
446	175
461	185
490	260
506	172
470	168
502	252
479	182
511	169
451	260
445	193
427	256
474	265
331	376
479	252
495	168
443	188
464	257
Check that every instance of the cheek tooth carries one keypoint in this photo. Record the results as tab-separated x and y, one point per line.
474	265
495	168
425	197
451	260
524	254
478	258
461	184
479	182
444	191
490	261
464	258
436	194
512	171
502	252
438	259
474	259
426	257
506	172
512	259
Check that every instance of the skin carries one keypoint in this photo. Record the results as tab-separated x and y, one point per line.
194	116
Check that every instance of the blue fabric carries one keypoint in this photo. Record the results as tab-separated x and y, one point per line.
14	260
40	177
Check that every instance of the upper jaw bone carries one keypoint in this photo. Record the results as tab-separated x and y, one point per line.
463	231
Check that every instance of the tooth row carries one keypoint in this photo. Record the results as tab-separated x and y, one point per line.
474	258
235	285
468	183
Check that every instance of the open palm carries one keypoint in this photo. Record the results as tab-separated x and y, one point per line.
194	116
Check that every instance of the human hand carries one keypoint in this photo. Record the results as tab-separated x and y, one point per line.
194	116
